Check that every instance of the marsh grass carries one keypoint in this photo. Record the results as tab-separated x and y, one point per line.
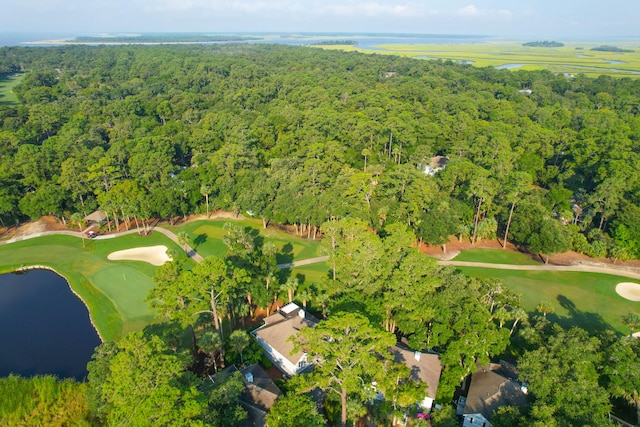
573	58
43	400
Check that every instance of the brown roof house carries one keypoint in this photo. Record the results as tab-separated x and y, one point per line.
274	335
259	395
491	387
97	217
424	367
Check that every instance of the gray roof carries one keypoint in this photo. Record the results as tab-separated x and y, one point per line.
262	392
490	389
427	369
96	216
277	335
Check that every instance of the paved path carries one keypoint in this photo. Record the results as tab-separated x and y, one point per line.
191	253
198	258
583	268
303	262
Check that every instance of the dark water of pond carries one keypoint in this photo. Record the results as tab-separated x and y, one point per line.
44	327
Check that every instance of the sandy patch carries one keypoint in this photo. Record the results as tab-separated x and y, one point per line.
155	255
629	290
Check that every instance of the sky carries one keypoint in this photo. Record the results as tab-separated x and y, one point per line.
516	18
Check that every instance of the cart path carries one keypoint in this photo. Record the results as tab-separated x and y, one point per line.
198	258
191	252
303	262
579	268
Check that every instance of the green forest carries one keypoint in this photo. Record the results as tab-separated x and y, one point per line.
338	145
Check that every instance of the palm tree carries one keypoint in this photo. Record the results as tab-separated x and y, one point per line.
183	238
631	320
502	314
78	219
545	307
205	190
239	340
290	286
322	299
210	343
518	314
365	153
305	295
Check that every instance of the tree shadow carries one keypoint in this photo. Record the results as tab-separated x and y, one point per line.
258	240
283	274
200	239
285	256
567	304
590	322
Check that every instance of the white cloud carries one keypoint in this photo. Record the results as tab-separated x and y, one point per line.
469	10
473	11
372	10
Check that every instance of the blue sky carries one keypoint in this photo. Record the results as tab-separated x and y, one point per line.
515	18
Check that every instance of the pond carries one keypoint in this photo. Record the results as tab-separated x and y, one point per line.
44	327
508	66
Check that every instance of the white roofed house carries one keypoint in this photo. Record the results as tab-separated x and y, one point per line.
274	336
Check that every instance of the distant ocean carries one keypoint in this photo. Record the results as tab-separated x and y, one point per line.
18	39
363	40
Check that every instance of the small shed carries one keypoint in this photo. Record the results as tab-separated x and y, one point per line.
97	217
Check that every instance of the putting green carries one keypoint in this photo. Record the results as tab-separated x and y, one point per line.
127	288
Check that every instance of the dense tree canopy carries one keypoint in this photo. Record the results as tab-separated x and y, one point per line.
301	136
332	143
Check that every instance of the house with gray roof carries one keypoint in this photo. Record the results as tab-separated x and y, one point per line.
491	387
424	367
259	395
273	336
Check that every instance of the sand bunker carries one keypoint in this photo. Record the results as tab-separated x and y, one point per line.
155	255
629	290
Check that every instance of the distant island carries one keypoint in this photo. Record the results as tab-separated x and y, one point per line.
543	44
606	48
163	38
334	43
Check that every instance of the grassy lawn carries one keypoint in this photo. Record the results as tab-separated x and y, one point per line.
6	89
574	57
588	300
205	236
495	256
308	274
114	291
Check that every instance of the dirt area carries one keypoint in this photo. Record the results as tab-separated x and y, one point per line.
219	214
567	258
